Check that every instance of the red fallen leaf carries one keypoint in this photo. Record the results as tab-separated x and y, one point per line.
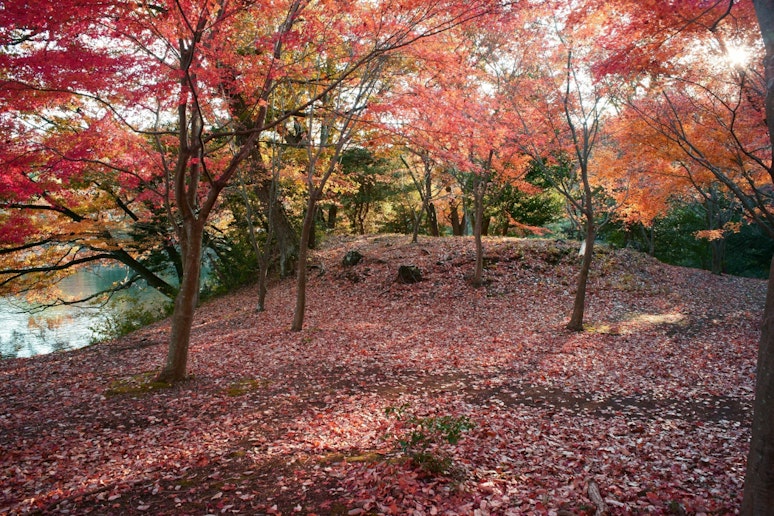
652	497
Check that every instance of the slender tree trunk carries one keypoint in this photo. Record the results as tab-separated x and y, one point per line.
311	242
306	231
718	248
427	201
264	253
285	234
185	304
649	235
263	268
579	306
759	478
478	199
417	222
467	219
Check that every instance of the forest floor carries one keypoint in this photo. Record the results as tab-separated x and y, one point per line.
651	404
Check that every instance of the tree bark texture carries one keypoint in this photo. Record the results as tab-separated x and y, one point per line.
185	305
427	200
759	478
285	234
417	222
579	305
432	220
454	217
332	213
479	189
306	231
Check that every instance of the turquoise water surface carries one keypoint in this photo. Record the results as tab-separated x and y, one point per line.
26	331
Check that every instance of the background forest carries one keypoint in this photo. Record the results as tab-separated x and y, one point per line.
249	137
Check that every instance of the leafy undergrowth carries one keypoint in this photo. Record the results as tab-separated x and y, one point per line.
652	404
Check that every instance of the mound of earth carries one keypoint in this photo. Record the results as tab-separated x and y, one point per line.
426	397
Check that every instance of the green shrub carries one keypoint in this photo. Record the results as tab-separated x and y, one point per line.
128	314
420	437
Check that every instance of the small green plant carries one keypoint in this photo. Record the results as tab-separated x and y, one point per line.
420	437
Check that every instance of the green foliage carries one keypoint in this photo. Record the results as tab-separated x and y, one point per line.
419	437
749	252
537	209
675	242
370	182
232	263
746	253
129	313
399	219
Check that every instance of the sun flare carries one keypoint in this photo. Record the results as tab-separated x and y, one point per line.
737	55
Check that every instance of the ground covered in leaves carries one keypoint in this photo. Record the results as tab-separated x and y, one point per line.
427	398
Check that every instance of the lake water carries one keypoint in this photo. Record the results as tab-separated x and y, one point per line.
24	333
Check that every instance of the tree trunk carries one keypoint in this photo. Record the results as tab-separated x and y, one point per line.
718	248
332	212
759	478
427	200
579	306
649	235
417	222
478	199
306	231
454	217
311	236
362	213
287	239
264	253
263	268
185	304
432	220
